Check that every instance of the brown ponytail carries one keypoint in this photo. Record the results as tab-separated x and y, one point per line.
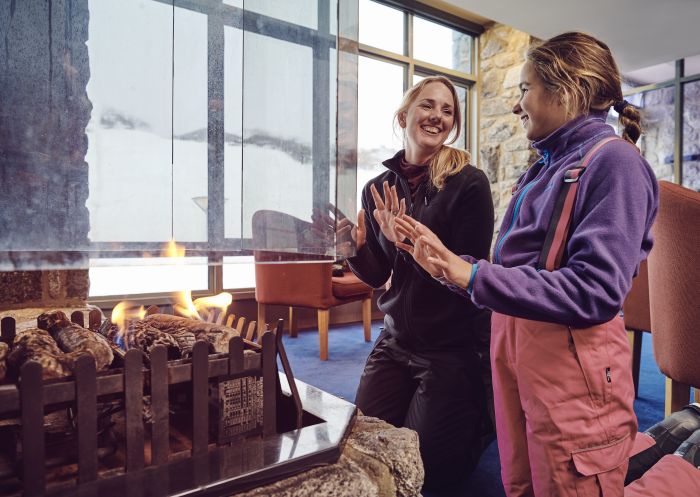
630	122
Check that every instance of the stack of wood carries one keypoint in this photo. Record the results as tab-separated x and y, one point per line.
56	344
177	333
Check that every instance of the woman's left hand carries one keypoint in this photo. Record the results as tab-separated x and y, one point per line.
388	210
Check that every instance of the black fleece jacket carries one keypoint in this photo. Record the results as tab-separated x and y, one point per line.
420	312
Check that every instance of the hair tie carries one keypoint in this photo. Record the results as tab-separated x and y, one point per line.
620	106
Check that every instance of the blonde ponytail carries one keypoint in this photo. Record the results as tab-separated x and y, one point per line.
447	162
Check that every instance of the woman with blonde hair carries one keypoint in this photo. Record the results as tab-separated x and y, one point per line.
572	238
427	367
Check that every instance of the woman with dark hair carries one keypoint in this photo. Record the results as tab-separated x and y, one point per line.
571	240
427	368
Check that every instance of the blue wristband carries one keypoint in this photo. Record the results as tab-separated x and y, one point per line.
470	286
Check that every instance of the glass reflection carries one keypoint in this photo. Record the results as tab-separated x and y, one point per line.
691	135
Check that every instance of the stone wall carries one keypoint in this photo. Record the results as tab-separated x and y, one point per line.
44	111
504	149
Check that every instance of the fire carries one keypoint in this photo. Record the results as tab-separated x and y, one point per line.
200	308
122	313
173	250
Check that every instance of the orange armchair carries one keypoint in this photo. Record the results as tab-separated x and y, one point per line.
674	292
296	279
311	285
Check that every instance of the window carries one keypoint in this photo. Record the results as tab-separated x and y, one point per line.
199	105
668	96
397	49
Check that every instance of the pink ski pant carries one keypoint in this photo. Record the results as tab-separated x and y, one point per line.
563	399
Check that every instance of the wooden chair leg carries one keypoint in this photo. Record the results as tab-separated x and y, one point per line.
696	394
635	337
261	319
367	318
323	315
292	323
677	396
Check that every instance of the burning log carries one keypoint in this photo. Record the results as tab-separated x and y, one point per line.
217	335
37	345
4	349
144	337
71	337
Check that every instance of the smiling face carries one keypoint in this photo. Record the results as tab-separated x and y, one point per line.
539	110
428	122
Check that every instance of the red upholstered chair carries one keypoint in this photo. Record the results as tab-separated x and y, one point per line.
674	292
311	285
637	318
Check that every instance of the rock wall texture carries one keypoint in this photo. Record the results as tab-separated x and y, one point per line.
378	460
505	152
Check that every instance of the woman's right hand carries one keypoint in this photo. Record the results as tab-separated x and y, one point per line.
431	254
388	210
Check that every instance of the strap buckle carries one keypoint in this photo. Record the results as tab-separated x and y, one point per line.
573	175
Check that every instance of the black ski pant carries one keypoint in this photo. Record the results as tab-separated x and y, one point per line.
439	394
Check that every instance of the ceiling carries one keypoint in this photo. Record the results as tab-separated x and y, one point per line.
641	33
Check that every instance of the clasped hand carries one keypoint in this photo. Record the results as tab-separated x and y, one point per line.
430	253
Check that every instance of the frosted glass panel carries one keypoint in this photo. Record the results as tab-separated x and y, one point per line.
129	133
130	123
190	127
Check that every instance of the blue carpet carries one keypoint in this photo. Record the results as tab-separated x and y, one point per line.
348	351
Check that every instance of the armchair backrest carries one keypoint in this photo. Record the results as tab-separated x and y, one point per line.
674	284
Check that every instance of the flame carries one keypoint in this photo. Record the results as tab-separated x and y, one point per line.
220	301
122	313
174	250
184	305
183	300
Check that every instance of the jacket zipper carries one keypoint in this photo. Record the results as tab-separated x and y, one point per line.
518	203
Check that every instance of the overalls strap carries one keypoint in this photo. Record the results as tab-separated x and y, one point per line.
555	241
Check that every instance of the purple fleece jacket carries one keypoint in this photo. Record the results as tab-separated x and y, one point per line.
609	235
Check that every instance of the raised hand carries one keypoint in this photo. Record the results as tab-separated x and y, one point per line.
388	210
431	254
